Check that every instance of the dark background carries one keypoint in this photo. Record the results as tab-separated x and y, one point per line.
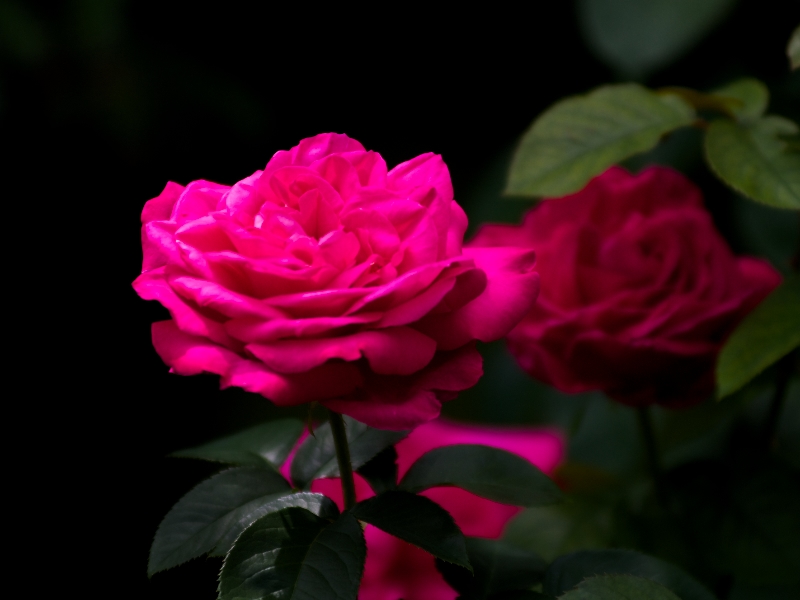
101	103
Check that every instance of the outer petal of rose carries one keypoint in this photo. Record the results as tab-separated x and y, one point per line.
393	351
510	293
419	306
254	329
392	402
426	170
408	285
160	207
456	230
242	200
153	286
221	299
191	355
324	381
158	244
197	200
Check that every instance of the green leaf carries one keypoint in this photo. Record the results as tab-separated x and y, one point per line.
582	136
755	161
568	571
316	456
487	472
320	505
750	96
294	554
793	48
268	442
381	470
497	567
417	520
767	334
197	523
637	37
619	587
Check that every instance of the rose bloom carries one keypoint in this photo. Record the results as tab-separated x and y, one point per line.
328	277
397	570
639	290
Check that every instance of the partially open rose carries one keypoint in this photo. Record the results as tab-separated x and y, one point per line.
639	290
328	277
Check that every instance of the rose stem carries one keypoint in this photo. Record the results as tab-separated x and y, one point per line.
784	369
654	464
343	457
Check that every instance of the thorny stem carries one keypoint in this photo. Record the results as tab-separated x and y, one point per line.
653	462
343	458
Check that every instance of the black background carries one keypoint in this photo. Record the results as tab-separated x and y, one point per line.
116	98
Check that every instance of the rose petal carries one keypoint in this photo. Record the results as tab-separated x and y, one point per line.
394	351
160	207
512	288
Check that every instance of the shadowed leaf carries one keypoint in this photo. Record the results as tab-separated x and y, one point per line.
417	520
487	472
294	554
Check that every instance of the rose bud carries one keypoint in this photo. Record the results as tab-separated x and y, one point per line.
396	569
639	290
327	277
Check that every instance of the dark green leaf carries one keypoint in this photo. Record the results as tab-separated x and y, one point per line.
381	470
200	519
295	555
568	571
793	48
269	442
417	520
750	98
767	334
318	504
754	159
497	567
637	37
619	587
487	472
316	456
582	136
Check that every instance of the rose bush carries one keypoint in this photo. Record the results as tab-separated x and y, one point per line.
328	277
639	290
395	569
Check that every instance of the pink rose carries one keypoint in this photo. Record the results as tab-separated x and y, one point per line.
395	569
328	277
639	289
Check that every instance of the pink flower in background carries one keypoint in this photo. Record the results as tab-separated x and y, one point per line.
395	569
328	277
639	290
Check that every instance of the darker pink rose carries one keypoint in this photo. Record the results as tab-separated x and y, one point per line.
328	277
395	569
639	290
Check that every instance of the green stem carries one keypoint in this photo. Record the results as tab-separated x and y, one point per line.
784	369
653	462
343	457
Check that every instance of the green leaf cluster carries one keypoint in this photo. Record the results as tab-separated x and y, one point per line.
580	137
279	539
